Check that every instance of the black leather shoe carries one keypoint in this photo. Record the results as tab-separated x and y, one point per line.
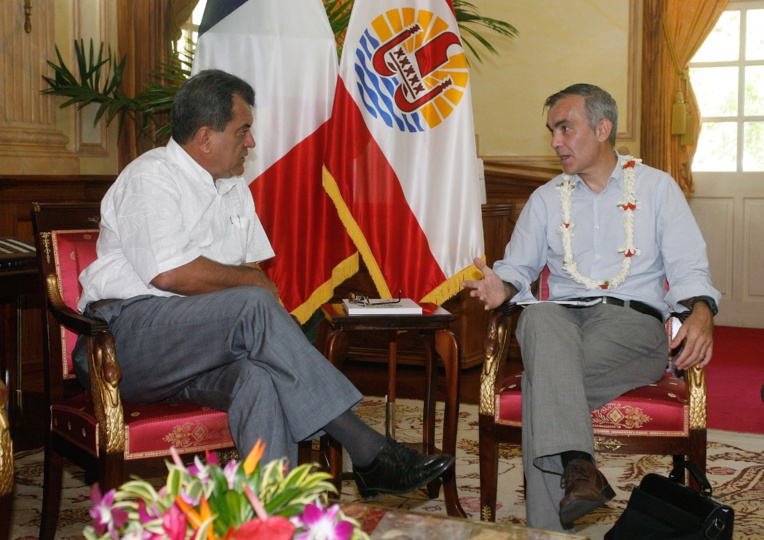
398	469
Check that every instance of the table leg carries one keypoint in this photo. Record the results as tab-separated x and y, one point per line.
10	358
447	347
18	408
428	405
392	361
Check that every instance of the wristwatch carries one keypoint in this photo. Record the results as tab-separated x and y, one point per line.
709	302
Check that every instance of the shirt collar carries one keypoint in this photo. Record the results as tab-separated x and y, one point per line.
616	176
197	173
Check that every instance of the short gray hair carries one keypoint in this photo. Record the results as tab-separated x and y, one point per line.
599	104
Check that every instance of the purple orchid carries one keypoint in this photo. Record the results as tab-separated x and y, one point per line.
105	516
323	524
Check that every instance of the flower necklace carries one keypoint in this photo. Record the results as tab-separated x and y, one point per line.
628	204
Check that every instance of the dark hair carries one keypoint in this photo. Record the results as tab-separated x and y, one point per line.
206	99
599	105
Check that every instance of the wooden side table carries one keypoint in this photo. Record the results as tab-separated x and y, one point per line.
433	327
18	277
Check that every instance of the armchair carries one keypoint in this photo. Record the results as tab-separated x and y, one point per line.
665	418
96	430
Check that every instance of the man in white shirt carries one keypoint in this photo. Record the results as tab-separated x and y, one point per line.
614	230
193	316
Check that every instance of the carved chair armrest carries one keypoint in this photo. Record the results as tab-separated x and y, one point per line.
4	393
6	445
495	350
67	316
105	376
695	381
105	373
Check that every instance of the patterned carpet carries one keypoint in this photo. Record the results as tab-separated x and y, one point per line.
735	469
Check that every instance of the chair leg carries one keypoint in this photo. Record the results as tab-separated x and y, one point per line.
111	471
5	515
331	452
51	492
698	441
489	467
305	452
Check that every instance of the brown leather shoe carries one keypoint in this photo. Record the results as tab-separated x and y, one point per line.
586	489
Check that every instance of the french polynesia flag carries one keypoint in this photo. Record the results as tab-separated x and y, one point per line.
286	50
401	162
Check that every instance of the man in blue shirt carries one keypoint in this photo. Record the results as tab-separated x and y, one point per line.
612	231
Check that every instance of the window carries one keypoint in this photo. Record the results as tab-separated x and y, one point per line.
727	76
190	29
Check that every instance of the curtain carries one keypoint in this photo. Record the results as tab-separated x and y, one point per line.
146	30
673	31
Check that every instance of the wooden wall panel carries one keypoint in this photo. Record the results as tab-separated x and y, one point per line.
17	193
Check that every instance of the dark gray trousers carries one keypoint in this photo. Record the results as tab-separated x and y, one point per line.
576	360
236	350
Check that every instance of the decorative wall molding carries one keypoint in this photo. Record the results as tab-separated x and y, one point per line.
30	141
628	132
90	20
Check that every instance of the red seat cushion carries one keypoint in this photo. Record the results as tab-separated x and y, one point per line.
150	429
655	410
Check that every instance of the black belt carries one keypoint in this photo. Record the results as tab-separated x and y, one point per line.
641	307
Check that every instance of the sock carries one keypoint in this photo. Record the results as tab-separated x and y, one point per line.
570	455
362	442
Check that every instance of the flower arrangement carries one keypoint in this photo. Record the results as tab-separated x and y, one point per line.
205	501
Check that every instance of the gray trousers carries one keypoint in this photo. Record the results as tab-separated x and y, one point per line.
576	360
236	350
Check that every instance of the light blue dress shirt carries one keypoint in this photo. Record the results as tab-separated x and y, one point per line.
665	231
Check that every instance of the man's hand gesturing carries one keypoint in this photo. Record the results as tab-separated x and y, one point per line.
491	290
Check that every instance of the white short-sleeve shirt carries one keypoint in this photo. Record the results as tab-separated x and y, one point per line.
163	211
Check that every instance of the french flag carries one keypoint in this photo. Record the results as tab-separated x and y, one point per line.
286	50
401	162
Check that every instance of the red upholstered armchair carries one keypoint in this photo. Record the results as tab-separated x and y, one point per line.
96	430
666	418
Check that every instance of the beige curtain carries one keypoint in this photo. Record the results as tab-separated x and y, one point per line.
146	30
673	31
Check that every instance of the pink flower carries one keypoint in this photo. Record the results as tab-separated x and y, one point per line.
146	513
272	528
229	472
202	471
174	523
323	524
105	516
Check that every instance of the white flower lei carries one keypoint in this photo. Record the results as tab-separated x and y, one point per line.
628	204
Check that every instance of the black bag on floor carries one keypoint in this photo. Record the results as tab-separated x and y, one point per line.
663	508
